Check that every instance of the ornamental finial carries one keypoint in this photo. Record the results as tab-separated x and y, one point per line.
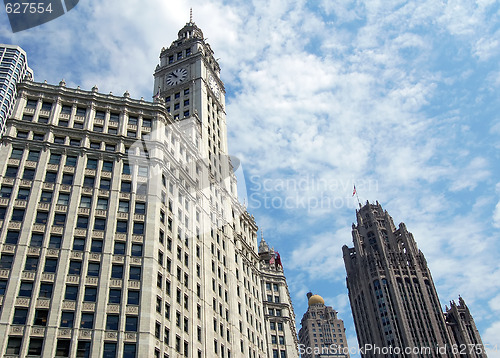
191	15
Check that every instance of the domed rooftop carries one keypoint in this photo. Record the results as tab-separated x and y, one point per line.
316	300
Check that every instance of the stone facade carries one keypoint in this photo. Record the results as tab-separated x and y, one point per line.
393	298
13	69
122	234
279	317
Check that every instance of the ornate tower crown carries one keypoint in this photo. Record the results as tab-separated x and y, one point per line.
190	30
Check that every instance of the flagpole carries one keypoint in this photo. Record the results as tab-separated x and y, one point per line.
355	192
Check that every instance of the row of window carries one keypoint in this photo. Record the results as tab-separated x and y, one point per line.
83	349
179	55
75	267
81	112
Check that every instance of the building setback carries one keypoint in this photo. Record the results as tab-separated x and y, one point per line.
393	298
322	333
122	234
13	69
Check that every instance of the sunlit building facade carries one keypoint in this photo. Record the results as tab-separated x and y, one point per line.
122	234
13	69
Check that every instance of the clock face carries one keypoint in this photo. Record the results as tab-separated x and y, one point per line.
176	76
212	82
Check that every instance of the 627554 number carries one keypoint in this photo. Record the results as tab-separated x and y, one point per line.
28	8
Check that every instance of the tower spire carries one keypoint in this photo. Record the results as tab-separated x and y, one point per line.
191	15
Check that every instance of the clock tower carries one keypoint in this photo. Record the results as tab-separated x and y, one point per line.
188	79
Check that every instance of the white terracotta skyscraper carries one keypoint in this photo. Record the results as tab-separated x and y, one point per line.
122	234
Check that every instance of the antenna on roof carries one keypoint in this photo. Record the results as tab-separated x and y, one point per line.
191	15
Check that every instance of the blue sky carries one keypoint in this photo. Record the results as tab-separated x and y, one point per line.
399	97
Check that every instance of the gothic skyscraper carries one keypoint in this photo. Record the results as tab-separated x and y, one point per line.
393	298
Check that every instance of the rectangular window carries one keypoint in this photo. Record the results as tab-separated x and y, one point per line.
117	271
66	109
112	322
25	289
126	169
62	349
17	215
119	248
107	166
131	324
63	199
5	191
132	121
41	217
41	317
102	204
23	194
46	106
123	206
13	346
59	219
55	158
114	117
12	237
87	320
138	228
46	197
67	318
129	350
90	294
96	245
78	244
115	296
74	142
31	103
55	242
67	179
92	164
99	114
50	265
36	240
105	184
135	273
121	226
93	269
33	155
46	290
99	224
82	222
126	186
29	174
85	201
109	350
81	111
140	208
133	297
71	293
30	265
83	348
35	347
11	172
71	161
136	250
88	182
20	315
